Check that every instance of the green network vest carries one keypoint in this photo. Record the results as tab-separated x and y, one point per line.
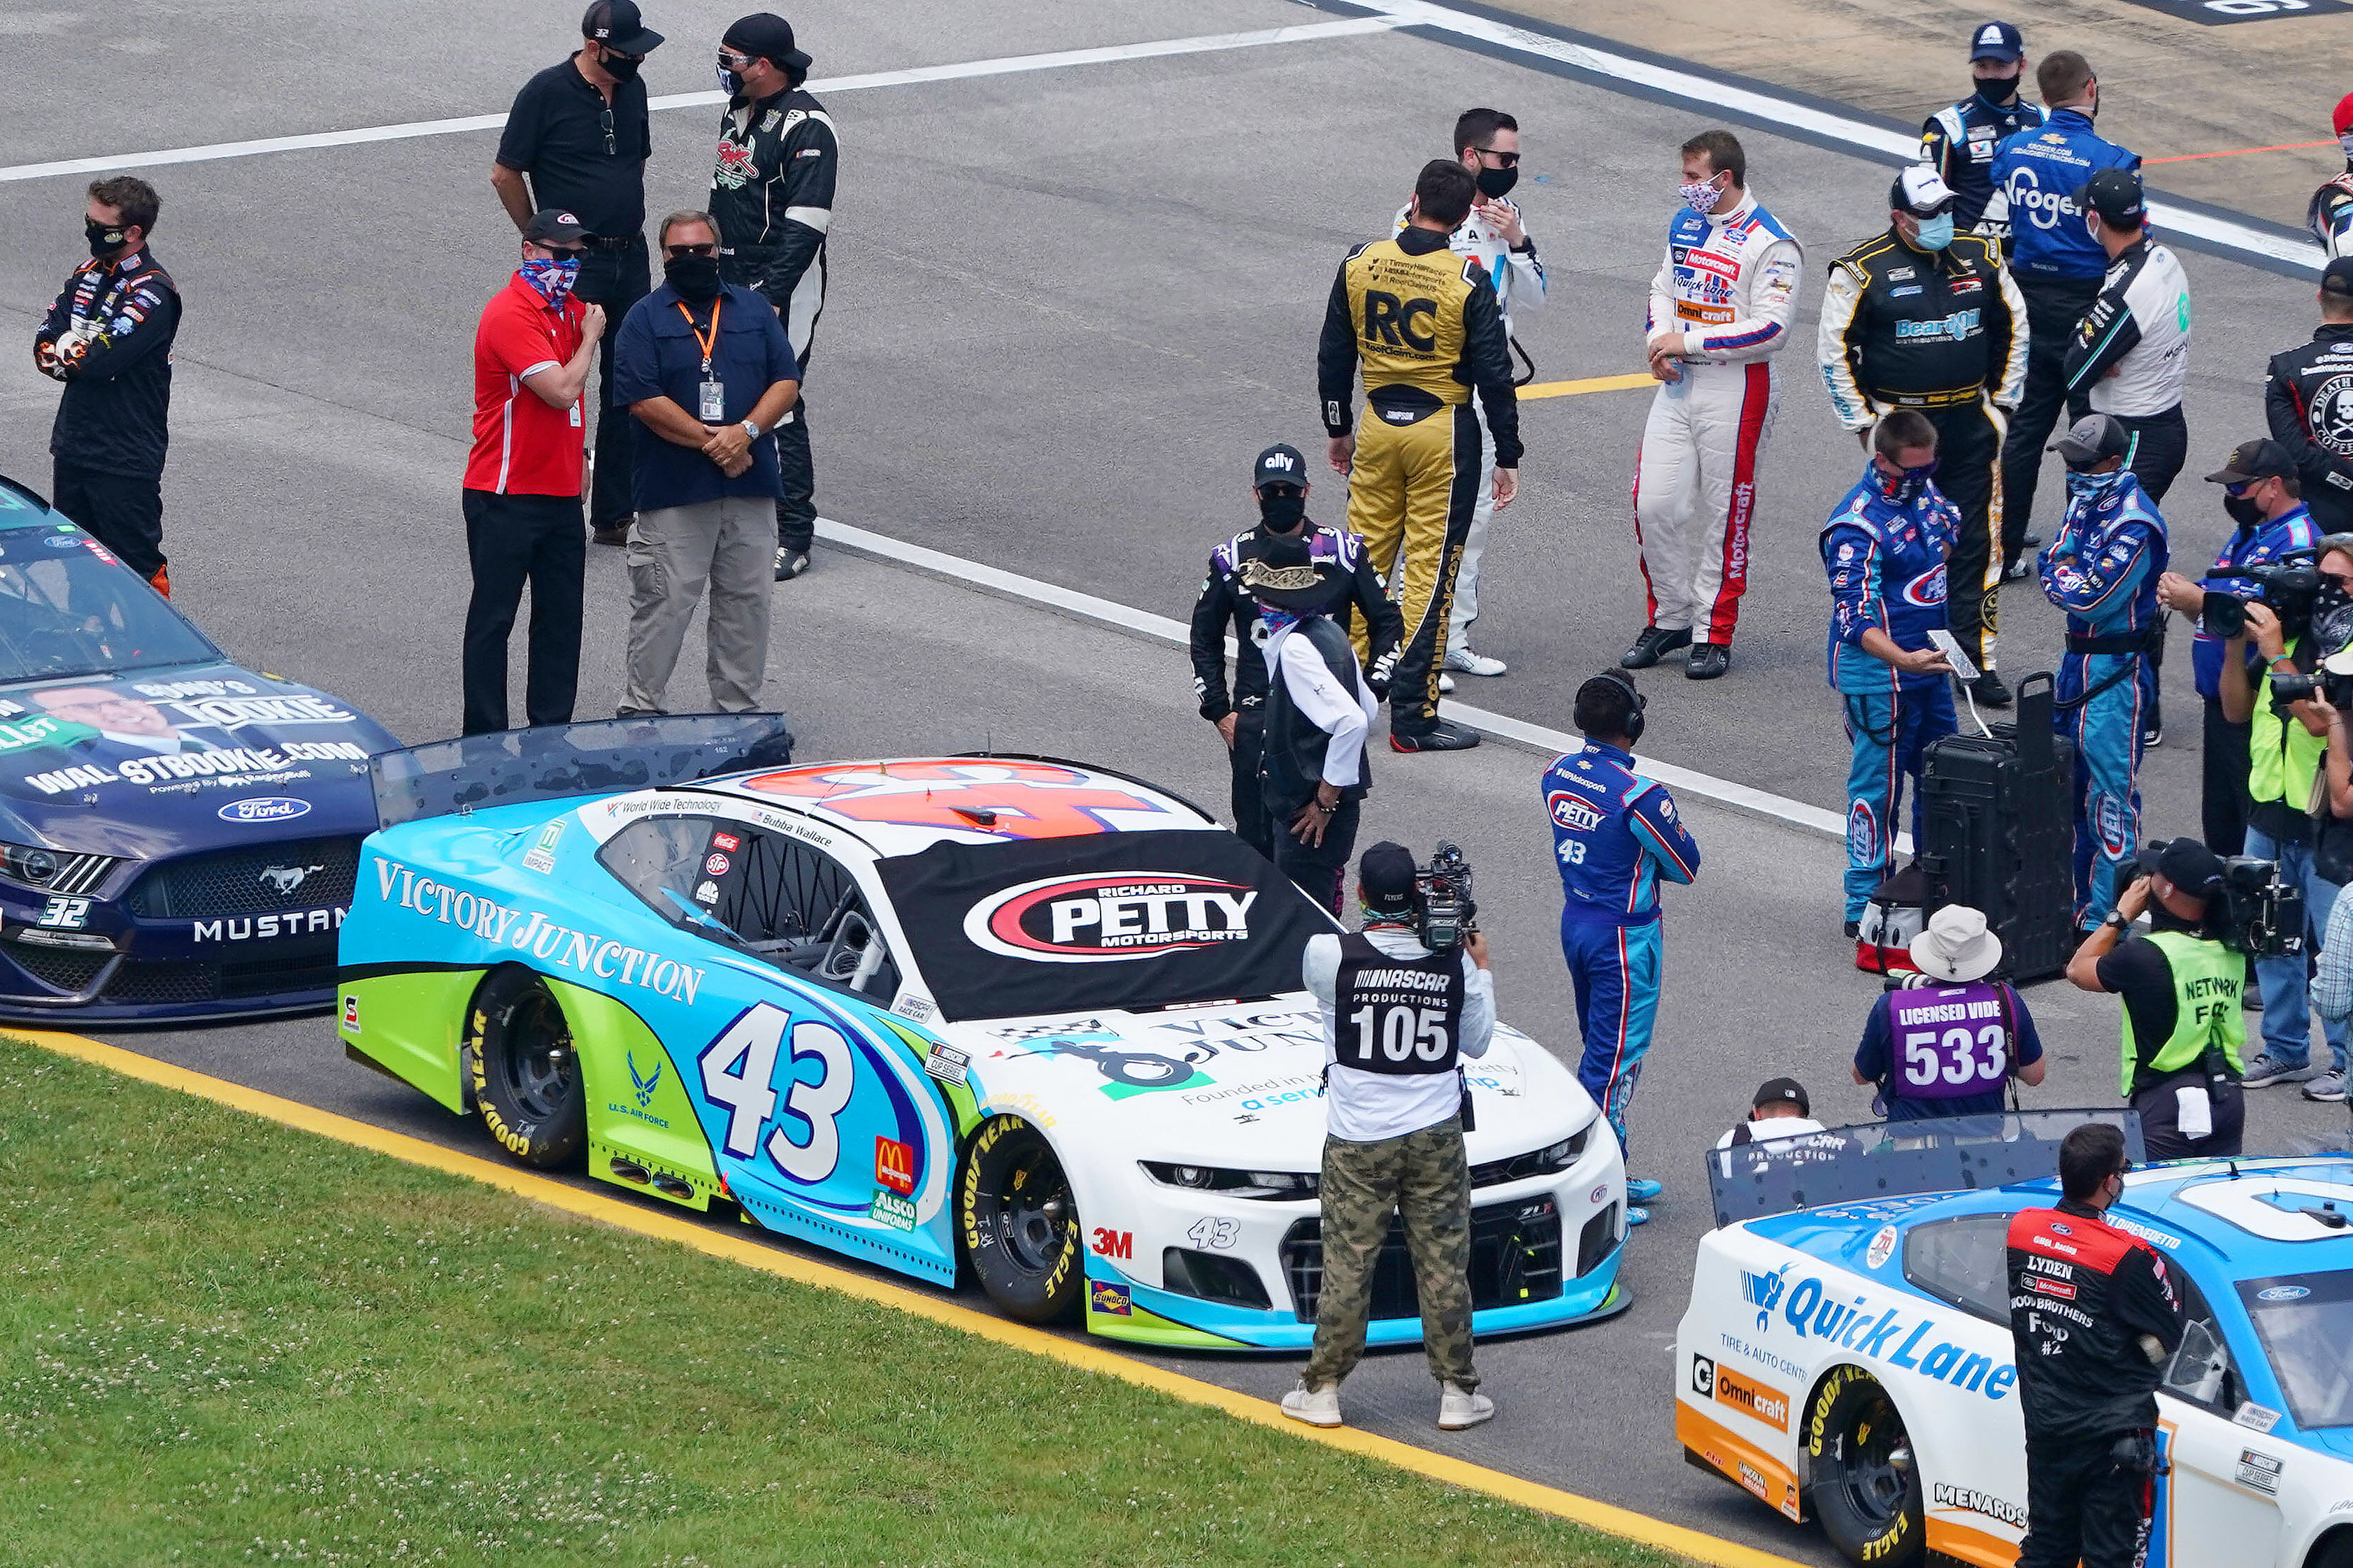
2283	754
2207	977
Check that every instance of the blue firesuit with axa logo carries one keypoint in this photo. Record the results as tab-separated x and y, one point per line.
2102	568
1614	835
1885	548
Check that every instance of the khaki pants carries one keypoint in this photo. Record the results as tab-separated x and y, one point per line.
1424	1176
730	543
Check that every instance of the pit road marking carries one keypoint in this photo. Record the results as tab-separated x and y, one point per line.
623	1214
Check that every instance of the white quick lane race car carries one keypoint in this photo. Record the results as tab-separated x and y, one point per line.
1017	1015
1850	1363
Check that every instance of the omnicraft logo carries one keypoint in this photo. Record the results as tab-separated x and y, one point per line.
528	931
1108	918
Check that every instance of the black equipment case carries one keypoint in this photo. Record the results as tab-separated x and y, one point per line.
1999	818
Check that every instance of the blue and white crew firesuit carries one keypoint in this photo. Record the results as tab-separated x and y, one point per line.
2102	568
1615	835
1885	548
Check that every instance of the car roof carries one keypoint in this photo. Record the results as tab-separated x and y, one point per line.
902	806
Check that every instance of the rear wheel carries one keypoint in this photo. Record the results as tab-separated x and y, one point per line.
1019	1224
525	1071
1866	1485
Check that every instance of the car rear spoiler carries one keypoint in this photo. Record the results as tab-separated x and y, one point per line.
550	761
1878	1161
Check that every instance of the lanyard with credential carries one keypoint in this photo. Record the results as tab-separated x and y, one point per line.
712	392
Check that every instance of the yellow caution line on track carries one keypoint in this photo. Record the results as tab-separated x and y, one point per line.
1592	383
752	1252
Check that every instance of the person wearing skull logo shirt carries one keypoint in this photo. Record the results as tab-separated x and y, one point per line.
2309	402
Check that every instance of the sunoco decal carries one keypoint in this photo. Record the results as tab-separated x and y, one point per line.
1111	917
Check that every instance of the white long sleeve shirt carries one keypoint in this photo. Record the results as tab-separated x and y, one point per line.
1324	702
1518	274
1362	1106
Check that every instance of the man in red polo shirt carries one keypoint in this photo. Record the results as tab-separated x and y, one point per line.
531	357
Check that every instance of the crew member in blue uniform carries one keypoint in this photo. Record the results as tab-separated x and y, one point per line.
1616	836
2101	567
1959	140
1885	549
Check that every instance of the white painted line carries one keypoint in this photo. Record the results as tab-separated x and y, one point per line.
1704	92
1161	628
1004	65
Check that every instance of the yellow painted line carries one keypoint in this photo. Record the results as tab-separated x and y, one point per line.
751	1253
1592	383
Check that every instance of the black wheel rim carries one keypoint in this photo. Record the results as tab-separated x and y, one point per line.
537	1047
1875	1465
1034	1211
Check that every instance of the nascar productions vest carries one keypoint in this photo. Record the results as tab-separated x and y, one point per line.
1397	1015
1408	312
2207	978
1292	761
1949	1041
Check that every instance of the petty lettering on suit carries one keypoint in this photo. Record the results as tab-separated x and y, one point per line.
1616	836
1886	549
2101	567
1729	284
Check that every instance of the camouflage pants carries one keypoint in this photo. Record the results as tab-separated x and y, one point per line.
1422	1175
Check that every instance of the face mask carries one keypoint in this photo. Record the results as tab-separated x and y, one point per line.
1908	488
104	241
2346	141
1935	233
552	278
1997	90
620	67
2083	483
2091	230
730	82
2242	510
1700	195
1282	509
696	277
1496	184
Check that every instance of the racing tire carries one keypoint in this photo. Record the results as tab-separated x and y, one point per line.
2335	1550
1866	1481
523	1070
1019	1225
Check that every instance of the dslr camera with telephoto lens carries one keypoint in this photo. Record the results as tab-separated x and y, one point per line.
1442	892
2253	911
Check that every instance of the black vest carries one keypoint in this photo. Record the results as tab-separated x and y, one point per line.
1397	1015
1930	325
1293	764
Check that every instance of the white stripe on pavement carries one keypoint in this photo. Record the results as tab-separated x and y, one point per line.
1161	628
1207	44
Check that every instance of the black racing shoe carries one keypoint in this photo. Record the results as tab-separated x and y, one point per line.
1651	645
1440	735
1853	931
2031	541
1988	690
790	563
1708	660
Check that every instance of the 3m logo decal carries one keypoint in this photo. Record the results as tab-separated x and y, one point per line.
1111	917
1118	1244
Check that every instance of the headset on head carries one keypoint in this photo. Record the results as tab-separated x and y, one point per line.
1634	719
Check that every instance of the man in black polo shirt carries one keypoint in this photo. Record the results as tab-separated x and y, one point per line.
580	132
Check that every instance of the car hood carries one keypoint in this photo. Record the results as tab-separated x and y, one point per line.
1235	1084
171	760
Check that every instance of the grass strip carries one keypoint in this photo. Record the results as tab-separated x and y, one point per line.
225	1341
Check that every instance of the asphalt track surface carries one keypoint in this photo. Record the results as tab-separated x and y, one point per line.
1068	306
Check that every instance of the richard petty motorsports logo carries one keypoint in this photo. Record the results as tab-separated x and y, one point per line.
1111	917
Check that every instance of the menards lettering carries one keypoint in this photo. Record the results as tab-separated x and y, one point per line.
227	762
528	931
1963	1500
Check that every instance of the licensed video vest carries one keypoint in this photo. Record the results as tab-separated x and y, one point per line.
1397	1015
1949	1042
2207	979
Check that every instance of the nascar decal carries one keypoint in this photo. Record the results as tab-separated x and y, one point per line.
1111	917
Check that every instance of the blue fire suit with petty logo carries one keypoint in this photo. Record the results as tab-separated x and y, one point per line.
1885	549
2102	568
1615	835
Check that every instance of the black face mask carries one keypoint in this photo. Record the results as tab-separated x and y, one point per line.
105	240
2244	511
1997	90
1282	509
1496	184
696	277
620	67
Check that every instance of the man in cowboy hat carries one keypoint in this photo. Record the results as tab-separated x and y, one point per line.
1949	1043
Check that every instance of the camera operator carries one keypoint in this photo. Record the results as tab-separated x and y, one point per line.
2288	737
2332	851
2266	503
2182	1026
1396	1018
1950	1043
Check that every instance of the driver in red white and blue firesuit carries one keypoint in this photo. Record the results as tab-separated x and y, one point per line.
1885	548
2101	567
1616	834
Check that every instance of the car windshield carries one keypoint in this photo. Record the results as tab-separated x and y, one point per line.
67	608
2306	1321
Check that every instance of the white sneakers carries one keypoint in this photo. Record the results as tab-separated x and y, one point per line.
1458	1407
1317	1407
1463	661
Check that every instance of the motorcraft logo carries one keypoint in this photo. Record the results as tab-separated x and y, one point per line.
1111	917
1961	1499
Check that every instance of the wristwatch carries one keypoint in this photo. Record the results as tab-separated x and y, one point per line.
2119	919
751	429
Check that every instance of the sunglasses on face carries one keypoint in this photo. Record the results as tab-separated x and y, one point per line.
735	62
1504	160
564	253
2239	490
706	249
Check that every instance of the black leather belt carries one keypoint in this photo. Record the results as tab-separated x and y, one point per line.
612	241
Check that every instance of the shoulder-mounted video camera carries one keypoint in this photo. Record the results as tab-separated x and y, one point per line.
2249	908
2304	598
1443	895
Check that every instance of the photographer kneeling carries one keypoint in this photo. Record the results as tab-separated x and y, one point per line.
2182	1026
1393	1103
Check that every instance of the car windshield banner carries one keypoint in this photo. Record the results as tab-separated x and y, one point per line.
1109	921
605	756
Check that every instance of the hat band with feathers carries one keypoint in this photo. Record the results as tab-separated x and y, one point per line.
1281	579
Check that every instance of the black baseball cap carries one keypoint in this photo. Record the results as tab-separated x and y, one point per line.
2093	439
1278	465
1386	875
2262	458
2115	194
617	25
2190	866
1782	1091
765	35
2336	278
1996	41
555	223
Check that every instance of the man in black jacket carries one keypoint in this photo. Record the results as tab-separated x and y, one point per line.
2094	1318
107	336
1278	481
2309	402
772	191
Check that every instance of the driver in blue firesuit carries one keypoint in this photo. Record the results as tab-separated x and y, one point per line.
1885	549
2101	567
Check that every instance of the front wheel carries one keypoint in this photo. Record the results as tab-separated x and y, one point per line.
1866	1482
525	1073
1019	1224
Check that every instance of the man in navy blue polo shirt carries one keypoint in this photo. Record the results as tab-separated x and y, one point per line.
706	371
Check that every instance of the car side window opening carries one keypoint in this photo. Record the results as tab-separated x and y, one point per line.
2201	1371
773	896
1965	1261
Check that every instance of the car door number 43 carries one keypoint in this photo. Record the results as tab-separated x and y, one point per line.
739	1073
